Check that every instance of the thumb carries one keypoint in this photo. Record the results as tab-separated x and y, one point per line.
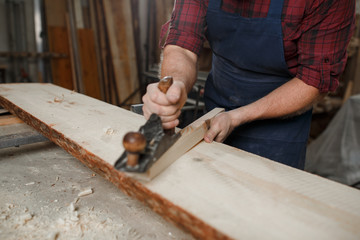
174	93
210	135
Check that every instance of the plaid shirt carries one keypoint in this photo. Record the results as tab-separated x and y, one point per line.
315	33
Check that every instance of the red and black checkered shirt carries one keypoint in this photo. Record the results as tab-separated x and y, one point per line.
315	33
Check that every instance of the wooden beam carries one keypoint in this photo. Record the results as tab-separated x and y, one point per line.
160	13
94	25
54	11
72	54
89	67
103	50
79	21
120	31
60	67
213	191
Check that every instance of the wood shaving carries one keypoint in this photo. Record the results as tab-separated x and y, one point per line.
85	192
109	131
59	100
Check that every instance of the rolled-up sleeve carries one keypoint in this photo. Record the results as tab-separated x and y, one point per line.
322	48
187	25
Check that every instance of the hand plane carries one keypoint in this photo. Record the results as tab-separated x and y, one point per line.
144	147
152	149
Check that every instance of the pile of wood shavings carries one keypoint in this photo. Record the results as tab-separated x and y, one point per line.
72	222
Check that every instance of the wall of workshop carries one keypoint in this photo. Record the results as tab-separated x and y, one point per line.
3	26
142	26
152	15
13	67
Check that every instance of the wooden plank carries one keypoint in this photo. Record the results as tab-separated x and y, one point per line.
72	54
18	139
93	24
3	111
214	191
120	31
137	42
89	65
103	49
60	67
162	14
9	120
55	12
58	42
79	22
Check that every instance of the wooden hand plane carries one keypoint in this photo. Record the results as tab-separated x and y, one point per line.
152	149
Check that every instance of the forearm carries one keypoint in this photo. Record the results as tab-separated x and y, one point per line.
181	64
290	99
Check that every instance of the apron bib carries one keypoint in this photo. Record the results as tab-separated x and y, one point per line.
249	63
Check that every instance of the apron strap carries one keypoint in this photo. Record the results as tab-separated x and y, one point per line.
214	4
275	9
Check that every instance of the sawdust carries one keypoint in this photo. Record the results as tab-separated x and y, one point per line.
72	222
39	200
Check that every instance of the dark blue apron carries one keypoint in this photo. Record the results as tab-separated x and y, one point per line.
248	63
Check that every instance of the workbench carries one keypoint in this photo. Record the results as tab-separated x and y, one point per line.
39	196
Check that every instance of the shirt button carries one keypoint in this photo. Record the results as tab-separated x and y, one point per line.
326	60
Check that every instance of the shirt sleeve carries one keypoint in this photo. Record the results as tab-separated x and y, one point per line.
327	28
187	25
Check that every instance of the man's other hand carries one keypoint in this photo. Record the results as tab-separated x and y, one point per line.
220	128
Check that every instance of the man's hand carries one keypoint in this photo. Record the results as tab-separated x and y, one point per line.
220	127
179	63
167	106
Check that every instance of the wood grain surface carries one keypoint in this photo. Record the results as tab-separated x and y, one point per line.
213	191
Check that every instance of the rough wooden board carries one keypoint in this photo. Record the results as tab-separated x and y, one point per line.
213	191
